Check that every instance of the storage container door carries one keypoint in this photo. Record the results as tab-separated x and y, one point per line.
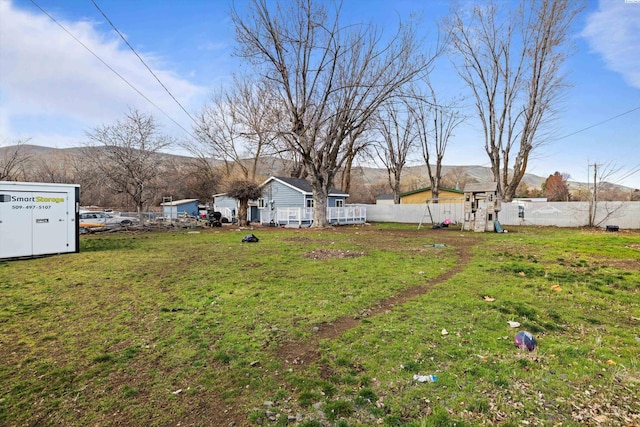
15	225
51	219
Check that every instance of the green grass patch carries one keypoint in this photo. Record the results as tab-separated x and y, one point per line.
163	328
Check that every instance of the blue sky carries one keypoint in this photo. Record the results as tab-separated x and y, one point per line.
53	90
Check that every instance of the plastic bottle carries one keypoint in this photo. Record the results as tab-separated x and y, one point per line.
425	378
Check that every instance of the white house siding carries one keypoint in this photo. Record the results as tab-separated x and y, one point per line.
227	206
221	202
560	214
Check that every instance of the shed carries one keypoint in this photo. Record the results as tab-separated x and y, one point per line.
226	205
384	199
481	206
177	208
422	195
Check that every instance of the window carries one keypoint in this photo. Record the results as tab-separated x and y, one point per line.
310	203
339	203
261	203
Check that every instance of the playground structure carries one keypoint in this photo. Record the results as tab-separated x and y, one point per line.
481	206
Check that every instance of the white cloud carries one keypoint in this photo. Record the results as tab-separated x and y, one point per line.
47	74
613	31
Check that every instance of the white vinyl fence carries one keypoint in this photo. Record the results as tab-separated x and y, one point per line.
560	214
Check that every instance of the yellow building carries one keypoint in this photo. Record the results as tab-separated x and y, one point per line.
445	195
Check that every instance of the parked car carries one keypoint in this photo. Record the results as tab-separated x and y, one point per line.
105	219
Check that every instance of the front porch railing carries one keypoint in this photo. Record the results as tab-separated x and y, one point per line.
301	216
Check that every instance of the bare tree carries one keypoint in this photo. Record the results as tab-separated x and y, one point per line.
54	167
356	146
512	63
435	125
456	177
601	174
12	159
397	129
330	79
200	178
238	127
127	156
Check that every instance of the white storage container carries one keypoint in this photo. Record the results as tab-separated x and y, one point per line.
38	219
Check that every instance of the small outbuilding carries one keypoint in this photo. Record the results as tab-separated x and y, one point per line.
177	208
384	199
445	195
227	206
481	206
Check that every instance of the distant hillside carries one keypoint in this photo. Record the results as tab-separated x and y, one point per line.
269	166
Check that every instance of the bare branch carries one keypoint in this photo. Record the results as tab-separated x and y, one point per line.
512	62
329	79
126	154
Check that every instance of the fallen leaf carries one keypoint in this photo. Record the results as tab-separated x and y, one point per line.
489	299
521	273
556	288
610	362
444	332
600	419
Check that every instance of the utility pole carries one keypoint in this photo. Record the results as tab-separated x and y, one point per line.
595	182
594	195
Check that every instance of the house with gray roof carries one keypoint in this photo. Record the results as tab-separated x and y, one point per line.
289	201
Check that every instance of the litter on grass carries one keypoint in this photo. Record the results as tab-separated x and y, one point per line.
250	238
525	340
425	378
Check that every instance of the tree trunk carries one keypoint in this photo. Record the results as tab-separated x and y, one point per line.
396	188
320	197
243	205
346	174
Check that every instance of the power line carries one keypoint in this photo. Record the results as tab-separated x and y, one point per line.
634	170
112	69
599	123
142	60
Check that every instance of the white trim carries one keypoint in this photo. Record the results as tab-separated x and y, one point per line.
179	202
306	193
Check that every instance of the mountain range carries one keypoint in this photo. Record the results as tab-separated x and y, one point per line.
275	166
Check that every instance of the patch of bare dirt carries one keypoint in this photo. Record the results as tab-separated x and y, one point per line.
333	253
626	264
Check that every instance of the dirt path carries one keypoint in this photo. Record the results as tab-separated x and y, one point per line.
298	352
217	412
